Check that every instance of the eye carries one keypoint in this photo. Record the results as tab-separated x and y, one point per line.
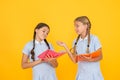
77	26
47	33
44	31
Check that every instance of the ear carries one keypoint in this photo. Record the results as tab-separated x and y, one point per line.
86	26
36	30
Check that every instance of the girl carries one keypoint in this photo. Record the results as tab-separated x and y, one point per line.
42	70
86	43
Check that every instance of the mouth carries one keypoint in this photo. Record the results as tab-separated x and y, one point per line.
77	31
44	37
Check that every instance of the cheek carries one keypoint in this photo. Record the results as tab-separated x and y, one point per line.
79	29
39	33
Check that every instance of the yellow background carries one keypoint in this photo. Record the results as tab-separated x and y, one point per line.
19	17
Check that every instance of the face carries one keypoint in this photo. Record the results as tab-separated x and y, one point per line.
42	33
80	28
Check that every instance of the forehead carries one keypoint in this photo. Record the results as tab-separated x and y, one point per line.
44	28
77	23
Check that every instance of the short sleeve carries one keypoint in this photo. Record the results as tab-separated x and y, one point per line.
26	49
97	43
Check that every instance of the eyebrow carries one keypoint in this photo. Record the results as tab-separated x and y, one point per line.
46	30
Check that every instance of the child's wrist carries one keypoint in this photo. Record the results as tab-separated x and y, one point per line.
65	46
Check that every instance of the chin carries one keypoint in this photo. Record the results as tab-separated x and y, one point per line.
42	39
78	33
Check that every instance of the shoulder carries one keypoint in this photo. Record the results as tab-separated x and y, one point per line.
49	43
27	48
74	40
29	44
95	40
93	37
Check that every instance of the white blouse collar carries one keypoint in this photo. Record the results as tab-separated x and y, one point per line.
84	38
37	42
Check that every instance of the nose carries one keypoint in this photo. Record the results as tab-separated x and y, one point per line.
46	34
76	28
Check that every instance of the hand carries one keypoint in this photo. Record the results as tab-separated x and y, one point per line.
51	60
85	58
48	58
61	43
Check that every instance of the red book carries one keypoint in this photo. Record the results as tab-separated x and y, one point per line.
51	53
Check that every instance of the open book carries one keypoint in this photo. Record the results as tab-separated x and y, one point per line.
92	55
50	53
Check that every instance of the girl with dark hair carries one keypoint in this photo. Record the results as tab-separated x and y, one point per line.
42	70
86	43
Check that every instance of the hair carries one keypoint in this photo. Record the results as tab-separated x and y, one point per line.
40	25
85	20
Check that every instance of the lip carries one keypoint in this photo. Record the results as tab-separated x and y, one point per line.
44	37
77	31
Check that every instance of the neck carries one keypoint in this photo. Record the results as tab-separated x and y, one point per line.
38	39
83	35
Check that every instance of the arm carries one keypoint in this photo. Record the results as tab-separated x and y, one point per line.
93	57
26	64
72	57
98	58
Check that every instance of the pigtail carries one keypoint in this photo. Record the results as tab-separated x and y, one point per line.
88	44
74	48
32	51
47	43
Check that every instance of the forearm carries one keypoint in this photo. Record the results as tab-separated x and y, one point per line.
97	56
72	57
96	59
30	64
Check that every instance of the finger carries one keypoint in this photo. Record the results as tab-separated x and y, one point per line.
52	56
53	61
86	57
45	60
48	56
59	42
81	56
